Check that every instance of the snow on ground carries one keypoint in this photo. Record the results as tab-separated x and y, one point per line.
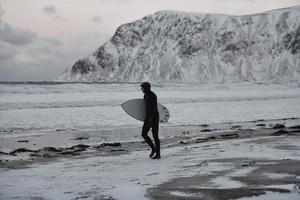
129	176
274	196
54	115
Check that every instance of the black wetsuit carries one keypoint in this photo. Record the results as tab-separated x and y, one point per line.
151	121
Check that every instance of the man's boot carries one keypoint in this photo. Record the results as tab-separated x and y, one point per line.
157	147
152	152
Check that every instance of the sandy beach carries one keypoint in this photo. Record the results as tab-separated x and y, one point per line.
222	141
249	160
215	85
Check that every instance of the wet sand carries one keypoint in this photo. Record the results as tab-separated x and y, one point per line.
197	163
257	182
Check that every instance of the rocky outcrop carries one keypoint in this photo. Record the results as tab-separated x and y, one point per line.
178	46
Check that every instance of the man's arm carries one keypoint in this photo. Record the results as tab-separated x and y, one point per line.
150	104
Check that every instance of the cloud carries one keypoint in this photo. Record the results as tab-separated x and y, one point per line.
13	35
24	55
6	51
37	61
51	11
26	49
38	58
53	41
2	11
16	35
97	19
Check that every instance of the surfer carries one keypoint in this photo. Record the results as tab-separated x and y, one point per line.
151	121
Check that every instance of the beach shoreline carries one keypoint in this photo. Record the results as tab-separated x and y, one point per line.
197	162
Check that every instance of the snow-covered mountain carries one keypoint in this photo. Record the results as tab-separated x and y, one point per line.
179	46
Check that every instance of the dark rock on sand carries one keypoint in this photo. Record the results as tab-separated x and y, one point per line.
203	125
183	142
211	138
205	139
67	152
50	149
46	155
287	147
199	140
248	163
79	146
81	138
3	153
23	141
230	136
58	130
82	197
279	126
235	127
295	127
35	155
104	197
74	149
294	131
21	150
50	152
280	132
206	130
117	150
260	124
290	118
116	144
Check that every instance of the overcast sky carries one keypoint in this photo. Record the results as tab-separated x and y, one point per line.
41	38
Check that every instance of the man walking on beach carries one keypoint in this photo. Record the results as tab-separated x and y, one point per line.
151	121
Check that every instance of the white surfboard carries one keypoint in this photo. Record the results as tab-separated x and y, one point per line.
136	108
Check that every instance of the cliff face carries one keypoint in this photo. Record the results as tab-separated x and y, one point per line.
178	46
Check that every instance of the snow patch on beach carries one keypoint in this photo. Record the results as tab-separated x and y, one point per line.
226	183
278	176
274	196
114	175
184	194
242	172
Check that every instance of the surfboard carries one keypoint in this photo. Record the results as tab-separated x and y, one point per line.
136	108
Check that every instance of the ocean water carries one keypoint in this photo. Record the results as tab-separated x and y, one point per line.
38	107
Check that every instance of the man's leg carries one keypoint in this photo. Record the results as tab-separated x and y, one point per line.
155	129
148	140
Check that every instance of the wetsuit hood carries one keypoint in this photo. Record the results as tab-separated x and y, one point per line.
146	86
